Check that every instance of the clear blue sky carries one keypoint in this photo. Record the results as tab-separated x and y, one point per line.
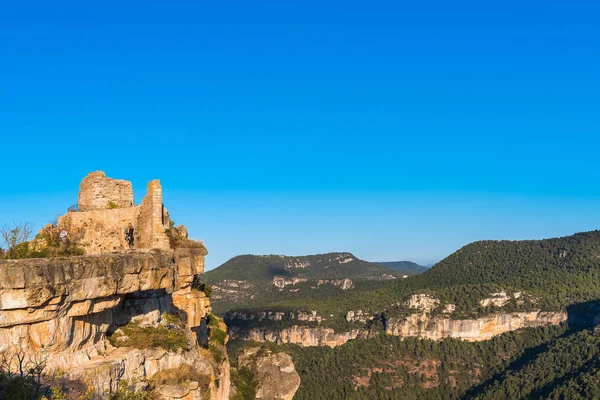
394	130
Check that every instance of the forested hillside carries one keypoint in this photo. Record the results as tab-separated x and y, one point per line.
387	367
319	266
259	281
556	362
404	267
565	368
551	273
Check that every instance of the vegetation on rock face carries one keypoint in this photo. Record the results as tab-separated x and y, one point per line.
179	375
16	387
217	337
47	242
242	382
178	238
198	284
125	392
26	380
13	237
168	336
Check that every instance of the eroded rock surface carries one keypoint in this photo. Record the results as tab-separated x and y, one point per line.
300	335
63	309
275	374
424	326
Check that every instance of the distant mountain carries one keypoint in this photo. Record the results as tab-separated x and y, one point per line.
318	266
552	275
404	267
253	280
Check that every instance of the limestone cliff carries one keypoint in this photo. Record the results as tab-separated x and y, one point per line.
300	335
274	373
62	309
423	325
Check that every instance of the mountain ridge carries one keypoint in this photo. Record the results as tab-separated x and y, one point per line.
405	267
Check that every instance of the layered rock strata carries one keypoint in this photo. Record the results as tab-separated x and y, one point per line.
274	373
423	325
300	335
62	309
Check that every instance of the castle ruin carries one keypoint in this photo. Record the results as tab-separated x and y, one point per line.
105	210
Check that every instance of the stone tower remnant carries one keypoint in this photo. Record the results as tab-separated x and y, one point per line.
106	208
98	192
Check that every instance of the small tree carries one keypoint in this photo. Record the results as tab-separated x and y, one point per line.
13	235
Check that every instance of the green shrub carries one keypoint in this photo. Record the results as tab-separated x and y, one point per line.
143	337
218	336
18	388
215	333
243	380
204	287
124	392
179	375
217	353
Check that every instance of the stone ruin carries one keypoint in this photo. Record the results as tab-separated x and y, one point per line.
105	210
65	310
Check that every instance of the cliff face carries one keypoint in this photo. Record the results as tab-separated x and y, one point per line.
62	310
421	325
424	326
274	373
300	335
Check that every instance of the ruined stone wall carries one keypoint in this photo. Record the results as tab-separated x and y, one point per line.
97	192
152	220
100	231
106	210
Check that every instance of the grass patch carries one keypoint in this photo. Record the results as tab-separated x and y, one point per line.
216	333
217	354
143	337
179	375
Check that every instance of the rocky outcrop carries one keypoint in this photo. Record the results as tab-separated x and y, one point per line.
281	282
422	302
423	325
274	373
233	317
300	335
500	299
343	284
62	309
105	370
359	316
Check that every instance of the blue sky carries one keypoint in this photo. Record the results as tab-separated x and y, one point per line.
394	130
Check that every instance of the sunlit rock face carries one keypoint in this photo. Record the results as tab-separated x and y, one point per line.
275	374
422	325
63	308
300	335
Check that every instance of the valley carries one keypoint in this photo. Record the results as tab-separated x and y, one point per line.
489	309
